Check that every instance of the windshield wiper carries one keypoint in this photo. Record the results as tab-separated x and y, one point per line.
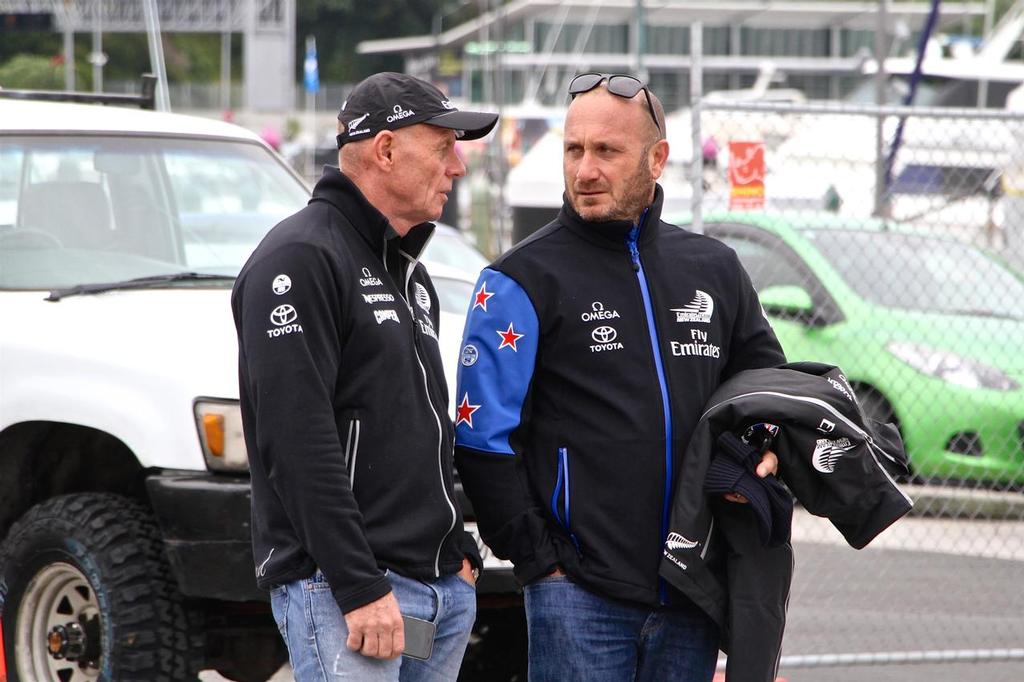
137	283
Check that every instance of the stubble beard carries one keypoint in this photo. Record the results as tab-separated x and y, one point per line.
636	196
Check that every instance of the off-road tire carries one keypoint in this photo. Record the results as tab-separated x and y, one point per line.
115	544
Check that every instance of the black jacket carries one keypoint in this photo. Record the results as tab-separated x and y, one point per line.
835	460
344	402
590	350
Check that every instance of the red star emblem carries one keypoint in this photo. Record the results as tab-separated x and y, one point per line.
480	298
509	338
464	411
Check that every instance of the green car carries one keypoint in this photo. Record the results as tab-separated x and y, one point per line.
929	330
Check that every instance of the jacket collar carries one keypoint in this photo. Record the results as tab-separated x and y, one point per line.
337	189
613	233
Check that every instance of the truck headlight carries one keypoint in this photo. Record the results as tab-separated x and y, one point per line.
220	432
952	368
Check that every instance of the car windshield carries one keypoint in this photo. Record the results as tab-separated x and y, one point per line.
93	209
920	273
453	294
451	248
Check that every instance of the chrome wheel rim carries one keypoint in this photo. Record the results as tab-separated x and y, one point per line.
57	635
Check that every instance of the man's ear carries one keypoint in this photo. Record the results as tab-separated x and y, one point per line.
658	157
384	150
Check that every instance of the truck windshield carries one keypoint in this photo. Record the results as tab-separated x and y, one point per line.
79	210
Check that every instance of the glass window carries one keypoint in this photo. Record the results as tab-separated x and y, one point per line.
226	202
776	42
10	177
920	273
951	181
764	265
93	209
449	247
454	295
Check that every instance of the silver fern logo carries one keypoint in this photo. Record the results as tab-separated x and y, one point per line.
675	542
422	297
827	452
355	123
700	309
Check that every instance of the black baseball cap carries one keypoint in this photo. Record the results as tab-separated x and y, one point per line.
388	101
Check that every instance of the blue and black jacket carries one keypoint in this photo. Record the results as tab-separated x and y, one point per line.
589	352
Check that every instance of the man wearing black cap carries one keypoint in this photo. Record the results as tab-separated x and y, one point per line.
344	404
613	330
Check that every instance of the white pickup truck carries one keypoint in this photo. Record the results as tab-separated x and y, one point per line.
124	493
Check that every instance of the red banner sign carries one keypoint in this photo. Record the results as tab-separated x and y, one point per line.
3	663
746	175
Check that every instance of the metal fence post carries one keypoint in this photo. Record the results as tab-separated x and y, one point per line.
696	88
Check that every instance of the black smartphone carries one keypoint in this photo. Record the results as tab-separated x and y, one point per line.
419	638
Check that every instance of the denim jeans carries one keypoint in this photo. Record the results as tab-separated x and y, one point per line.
578	636
314	629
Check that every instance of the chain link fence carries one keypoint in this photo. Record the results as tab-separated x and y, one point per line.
890	242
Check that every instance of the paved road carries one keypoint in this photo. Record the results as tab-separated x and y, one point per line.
927	584
936	585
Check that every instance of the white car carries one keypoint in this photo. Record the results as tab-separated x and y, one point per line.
123	473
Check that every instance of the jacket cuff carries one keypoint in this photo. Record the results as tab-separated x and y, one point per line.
536	567
352	600
471	551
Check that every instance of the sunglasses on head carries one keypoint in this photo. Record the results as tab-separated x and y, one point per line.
618	84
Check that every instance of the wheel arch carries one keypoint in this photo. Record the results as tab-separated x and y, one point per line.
44	459
866	391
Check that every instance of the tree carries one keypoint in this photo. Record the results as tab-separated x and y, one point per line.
340	25
32	72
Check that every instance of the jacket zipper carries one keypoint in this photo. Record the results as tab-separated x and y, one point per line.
352	451
652	332
409	268
872	448
562	490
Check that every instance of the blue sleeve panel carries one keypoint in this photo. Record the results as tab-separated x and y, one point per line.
499	348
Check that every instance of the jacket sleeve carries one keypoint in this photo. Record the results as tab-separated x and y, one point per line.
499	349
291	384
753	344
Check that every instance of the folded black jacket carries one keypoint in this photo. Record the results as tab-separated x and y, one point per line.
836	461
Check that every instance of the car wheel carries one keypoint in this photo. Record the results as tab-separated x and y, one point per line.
256	658
497	650
878	407
875	405
87	595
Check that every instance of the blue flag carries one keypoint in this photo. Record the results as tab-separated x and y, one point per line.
310	68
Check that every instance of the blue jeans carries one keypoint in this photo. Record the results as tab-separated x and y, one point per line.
578	636
314	629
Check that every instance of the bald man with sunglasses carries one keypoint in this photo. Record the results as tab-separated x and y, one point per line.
589	353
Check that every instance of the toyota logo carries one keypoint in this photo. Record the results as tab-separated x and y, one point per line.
604	334
283	314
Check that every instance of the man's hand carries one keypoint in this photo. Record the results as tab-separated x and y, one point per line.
376	629
769	465
466	572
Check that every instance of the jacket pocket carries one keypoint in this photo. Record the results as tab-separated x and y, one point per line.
560	498
351	434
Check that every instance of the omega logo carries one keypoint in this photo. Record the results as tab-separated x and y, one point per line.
598	313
